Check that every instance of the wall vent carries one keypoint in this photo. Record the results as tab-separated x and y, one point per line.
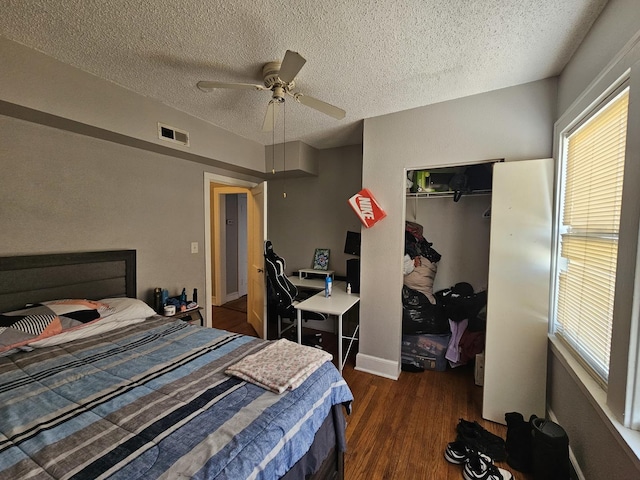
171	134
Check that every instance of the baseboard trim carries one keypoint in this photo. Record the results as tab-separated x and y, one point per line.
377	366
231	297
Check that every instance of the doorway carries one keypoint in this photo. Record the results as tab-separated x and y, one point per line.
234	261
233	246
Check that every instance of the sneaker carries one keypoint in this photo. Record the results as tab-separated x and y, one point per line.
477	468
459	452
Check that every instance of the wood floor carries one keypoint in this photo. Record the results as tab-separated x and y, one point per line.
399	428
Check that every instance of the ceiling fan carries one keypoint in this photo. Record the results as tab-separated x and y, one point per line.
279	79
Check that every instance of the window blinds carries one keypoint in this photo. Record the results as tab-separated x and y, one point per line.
594	167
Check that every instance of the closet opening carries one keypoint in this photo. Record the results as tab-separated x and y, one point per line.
446	268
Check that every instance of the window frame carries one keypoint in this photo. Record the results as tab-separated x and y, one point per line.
559	261
620	400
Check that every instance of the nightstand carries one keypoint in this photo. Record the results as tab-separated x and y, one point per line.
193	316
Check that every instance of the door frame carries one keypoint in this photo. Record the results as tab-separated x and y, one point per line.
210	178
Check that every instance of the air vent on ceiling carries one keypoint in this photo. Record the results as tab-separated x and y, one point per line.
171	134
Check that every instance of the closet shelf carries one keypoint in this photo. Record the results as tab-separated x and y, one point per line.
445	194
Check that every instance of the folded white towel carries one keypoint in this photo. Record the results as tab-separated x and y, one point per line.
282	365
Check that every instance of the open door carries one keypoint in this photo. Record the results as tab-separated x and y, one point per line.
515	370
256	236
215	187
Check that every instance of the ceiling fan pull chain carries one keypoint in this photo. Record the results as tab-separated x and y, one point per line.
284	149
273	143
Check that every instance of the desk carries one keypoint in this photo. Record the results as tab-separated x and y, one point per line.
339	303
308	283
305	272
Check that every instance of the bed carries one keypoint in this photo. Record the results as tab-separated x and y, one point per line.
129	394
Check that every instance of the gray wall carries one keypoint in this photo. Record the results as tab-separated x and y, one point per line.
599	450
514	123
315	212
64	192
96	104
83	169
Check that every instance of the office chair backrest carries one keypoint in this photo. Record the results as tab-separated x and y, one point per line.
284	291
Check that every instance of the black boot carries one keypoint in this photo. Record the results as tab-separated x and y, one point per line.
550	451
519	442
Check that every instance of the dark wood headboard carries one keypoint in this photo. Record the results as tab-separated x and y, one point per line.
92	275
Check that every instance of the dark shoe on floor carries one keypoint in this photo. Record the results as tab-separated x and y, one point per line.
481	440
459	452
519	442
477	468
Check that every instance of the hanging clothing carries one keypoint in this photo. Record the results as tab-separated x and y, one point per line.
453	350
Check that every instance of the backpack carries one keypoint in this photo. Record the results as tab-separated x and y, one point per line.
459	185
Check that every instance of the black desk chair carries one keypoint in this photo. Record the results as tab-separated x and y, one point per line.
282	295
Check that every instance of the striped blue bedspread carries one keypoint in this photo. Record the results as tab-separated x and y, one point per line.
152	401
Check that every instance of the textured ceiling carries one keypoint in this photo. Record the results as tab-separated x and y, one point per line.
370	57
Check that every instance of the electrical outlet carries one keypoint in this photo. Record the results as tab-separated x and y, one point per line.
194	247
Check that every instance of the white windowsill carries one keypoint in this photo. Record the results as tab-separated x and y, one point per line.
628	439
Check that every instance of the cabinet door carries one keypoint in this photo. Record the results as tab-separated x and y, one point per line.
518	289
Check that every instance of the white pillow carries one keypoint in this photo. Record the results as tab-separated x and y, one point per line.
122	312
124	309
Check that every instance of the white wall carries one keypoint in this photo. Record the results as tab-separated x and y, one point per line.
514	123
459	233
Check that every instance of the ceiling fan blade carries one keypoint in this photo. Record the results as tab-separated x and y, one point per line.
321	106
291	65
270	116
208	86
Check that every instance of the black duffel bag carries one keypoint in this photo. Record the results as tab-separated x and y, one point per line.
460	302
420	316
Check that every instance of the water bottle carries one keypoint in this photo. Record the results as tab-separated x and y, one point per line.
165	297
328	284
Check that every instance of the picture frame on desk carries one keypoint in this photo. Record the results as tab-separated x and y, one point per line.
321	259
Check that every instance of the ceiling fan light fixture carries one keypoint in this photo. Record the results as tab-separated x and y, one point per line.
278	94
278	77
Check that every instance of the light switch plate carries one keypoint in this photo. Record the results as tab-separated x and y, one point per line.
194	247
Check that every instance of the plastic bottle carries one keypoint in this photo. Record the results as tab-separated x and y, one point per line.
348	288
195	295
183	297
328	284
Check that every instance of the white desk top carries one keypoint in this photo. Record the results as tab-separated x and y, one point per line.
310	283
337	304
